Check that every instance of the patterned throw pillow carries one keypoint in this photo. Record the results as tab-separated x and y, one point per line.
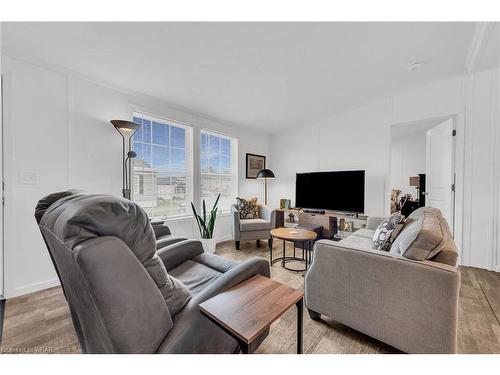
247	208
383	234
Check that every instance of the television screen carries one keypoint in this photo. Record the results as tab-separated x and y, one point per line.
340	191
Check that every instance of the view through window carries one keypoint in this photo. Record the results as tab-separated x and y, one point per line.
219	168
162	178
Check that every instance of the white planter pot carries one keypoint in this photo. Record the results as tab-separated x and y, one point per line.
208	244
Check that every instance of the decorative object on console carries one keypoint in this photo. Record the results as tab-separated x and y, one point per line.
247	208
255	163
409	206
394	200
265	174
382	235
285	204
346	225
126	129
415	182
207	228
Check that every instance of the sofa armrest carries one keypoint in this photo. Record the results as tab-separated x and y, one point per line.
410	305
267	213
241	272
160	229
235	223
373	222
179	252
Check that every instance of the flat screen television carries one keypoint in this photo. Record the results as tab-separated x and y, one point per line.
339	191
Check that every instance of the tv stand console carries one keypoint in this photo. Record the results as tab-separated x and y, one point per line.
333	222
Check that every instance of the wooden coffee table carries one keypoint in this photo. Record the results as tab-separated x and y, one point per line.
248	309
296	235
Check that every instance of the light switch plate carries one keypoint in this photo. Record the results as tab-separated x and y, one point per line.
27	178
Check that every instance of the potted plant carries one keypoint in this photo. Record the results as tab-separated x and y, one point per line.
207	227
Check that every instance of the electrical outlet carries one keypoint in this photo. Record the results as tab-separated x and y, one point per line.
27	178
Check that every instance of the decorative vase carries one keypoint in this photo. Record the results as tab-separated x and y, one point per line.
208	244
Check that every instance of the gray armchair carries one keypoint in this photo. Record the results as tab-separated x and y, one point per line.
124	295
253	229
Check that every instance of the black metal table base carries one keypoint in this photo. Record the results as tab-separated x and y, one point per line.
2	314
306	255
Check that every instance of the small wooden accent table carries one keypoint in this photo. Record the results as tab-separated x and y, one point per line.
295	235
248	309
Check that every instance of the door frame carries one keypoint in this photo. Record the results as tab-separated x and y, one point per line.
457	167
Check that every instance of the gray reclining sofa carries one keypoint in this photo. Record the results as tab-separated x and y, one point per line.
124	295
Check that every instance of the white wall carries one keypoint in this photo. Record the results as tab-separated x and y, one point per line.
482	183
57	130
407	160
359	138
1	173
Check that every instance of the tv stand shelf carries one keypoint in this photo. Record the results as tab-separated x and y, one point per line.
333	222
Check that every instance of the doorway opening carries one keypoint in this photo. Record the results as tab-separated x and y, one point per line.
423	167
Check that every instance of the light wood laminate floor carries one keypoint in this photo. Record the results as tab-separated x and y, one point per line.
40	322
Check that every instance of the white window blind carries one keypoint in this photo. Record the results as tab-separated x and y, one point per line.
163	168
218	168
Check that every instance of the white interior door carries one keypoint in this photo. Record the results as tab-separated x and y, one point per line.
439	169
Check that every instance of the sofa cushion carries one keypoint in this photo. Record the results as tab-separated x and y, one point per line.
423	238
247	225
357	242
382	235
366	233
247	208
195	276
176	295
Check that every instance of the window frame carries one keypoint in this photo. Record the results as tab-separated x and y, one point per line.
189	160
234	164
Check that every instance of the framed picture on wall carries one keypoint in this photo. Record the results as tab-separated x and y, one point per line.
254	164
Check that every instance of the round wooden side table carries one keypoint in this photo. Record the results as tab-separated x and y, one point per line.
297	236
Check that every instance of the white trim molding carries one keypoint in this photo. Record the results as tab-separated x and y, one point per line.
30	288
481	34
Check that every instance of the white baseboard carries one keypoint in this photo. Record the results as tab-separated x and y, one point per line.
30	288
497	268
222	239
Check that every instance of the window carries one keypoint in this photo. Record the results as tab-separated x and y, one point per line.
218	168
162	177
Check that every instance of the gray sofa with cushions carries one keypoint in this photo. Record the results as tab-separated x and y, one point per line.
253	229
163	235
124	295
406	297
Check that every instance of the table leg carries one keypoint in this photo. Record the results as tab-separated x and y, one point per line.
307	256
284	250
245	348
271	253
2	314
300	311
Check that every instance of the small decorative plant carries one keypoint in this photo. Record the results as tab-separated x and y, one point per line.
206	228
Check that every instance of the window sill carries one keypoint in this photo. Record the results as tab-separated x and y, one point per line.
224	213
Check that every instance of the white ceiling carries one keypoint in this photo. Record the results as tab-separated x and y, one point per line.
264	75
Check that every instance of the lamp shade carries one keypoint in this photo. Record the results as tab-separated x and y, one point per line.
126	126
265	174
415	181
